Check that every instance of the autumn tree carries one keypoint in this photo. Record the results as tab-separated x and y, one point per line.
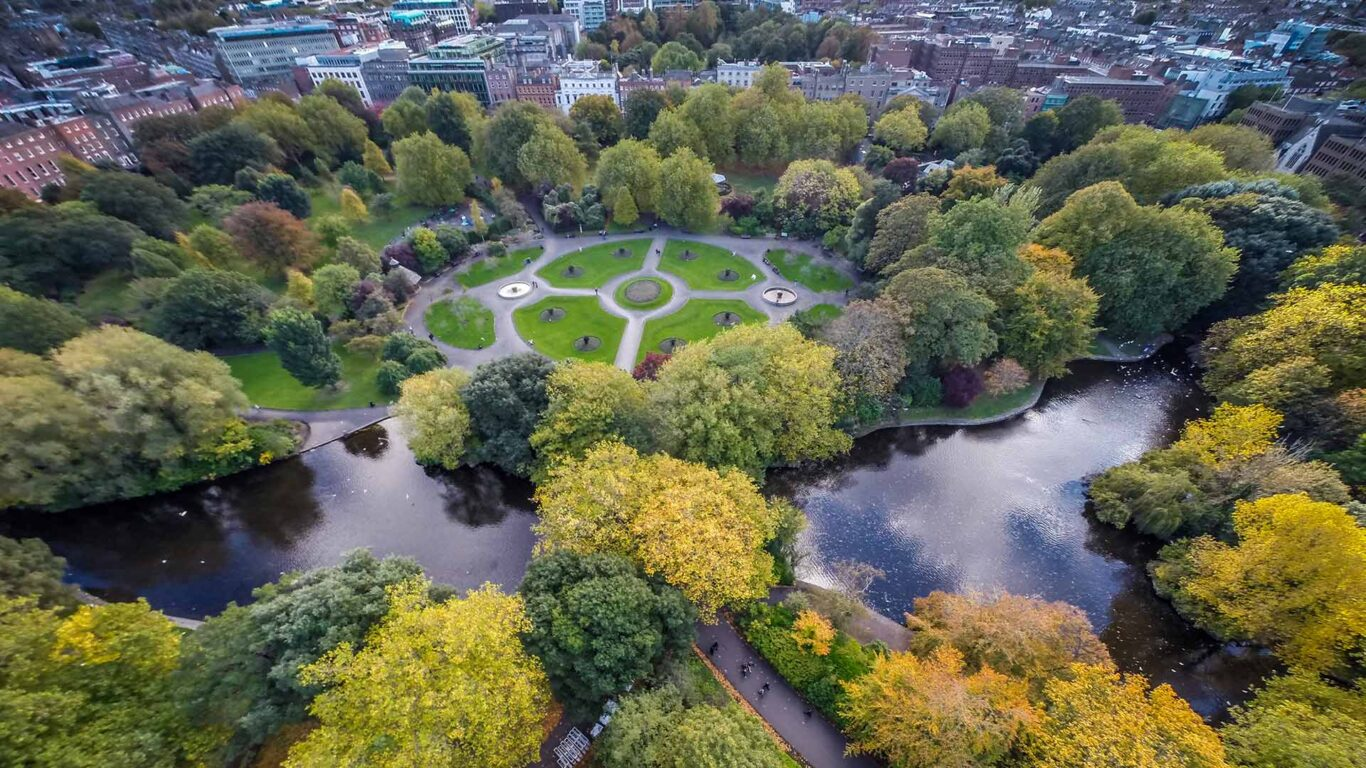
901	226
1342	264
549	156
815	196
943	318
443	683
633	166
375	161
434	417
701	531
914	711
430	171
872	354
813	633
587	404
1293	581
692	198
1048	321
969	182
298	338
779	403
901	130
270	238
601	115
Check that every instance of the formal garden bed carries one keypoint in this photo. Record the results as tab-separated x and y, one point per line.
562	327
594	266
708	267
487	269
697	320
802	268
462	322
644	293
267	384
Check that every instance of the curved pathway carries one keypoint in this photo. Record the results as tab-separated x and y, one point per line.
508	342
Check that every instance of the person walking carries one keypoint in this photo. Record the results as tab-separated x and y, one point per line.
763	689
712	650
806	713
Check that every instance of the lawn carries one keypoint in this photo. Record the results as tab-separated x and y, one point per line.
379	230
750	181
597	264
462	322
799	268
486	270
694	322
820	314
584	316
984	407
267	384
106	295
703	273
666	292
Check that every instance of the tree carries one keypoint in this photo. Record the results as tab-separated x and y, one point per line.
692	199
375	160
210	308
404	118
435	683
138	200
550	156
215	201
35	325
338	135
672	131
217	156
1081	118
601	115
431	172
357	255
587	404
1298	721
642	107
505	399
285	193
961	129
1048	321
901	130
1154	269
813	633
674	56
279	119
29	570
928	712
271	238
815	196
53	251
872	354
352	207
700	531
597	626
979	239
1244	148
1343	264
298	338
434	417
901	226
654	729
1095	716
333	287
1292	582
502	137
1022	637
708	106
968	182
240	671
446	120
1149	163
624	210
944	319
779	403
633	166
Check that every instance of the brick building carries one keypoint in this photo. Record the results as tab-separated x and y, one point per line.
28	157
121	70
1339	156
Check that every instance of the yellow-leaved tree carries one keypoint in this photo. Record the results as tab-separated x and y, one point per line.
352	207
587	404
923	712
1233	433
1295	581
1095	717
375	160
813	632
436	683
700	530
434	417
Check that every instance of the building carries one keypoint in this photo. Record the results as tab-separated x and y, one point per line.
824	82
582	78
94	139
127	110
378	72
1300	127
360	28
737	74
536	41
28	157
508	9
265	54
1142	99
457	12
1215	83
590	13
208	93
121	70
412	28
459	64
538	87
1339	156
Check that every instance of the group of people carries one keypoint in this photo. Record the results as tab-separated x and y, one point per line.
748	667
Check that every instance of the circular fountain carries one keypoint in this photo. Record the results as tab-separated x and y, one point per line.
514	290
780	296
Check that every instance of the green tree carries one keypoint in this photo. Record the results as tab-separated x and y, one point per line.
138	200
601	115
429	171
1342	264
204	308
285	193
1081	118
28	569
692	200
624	210
1244	148
654	729
375	160
333	287
279	119
338	135
815	196
961	129
357	255
598	626
298	338
215	201
35	325
446	120
672	131
217	156
587	404
901	226
944	319
642	107
901	130
505	399
404	118
1299	721
872	354
979	239
708	108
1048	321
434	417
672	56
779	404
550	156
53	251
502	136
443	683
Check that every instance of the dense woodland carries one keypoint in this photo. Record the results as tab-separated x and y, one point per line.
978	282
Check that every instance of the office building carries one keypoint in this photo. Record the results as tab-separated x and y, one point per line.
590	13
1339	156
378	72
265	54
457	12
412	28
536	41
1214	83
459	64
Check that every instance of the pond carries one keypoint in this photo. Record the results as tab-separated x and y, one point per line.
990	507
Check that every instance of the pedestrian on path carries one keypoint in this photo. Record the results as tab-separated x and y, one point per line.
763	690
712	650
806	713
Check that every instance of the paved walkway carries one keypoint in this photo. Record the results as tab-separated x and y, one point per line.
819	742
508	342
325	426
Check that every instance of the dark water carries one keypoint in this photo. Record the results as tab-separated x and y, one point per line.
1003	507
990	507
190	553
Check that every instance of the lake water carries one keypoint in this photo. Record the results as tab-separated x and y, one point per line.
990	507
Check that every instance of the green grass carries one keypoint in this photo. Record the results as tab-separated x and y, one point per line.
106	295
750	181
379	230
462	322
702	273
584	316
639	225
599	263
984	407
694	322
821	314
666	292
486	270
267	384
798	268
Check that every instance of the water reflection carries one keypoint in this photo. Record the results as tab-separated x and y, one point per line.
1002	507
192	552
